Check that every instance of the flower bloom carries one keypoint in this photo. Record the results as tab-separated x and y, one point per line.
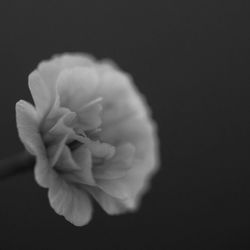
92	135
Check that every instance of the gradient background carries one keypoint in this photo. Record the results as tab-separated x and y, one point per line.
191	59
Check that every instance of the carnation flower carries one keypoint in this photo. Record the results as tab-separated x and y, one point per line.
92	135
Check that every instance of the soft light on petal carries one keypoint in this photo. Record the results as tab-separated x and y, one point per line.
118	166
66	163
76	87
28	127
111	205
89	116
120	97
71	202
83	159
40	93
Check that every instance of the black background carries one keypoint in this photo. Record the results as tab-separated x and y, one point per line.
191	60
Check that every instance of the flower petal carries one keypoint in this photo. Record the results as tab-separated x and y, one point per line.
58	122
55	150
120	98
83	159
134	183
28	127
66	163
58	135
76	87
99	149
44	174
78	168
68	61
110	204
139	131
71	202
49	71
89	117
117	166
117	188
40	93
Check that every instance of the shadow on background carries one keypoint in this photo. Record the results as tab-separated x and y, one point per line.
191	60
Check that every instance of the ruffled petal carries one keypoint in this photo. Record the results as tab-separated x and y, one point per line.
71	202
49	71
117	188
117	166
76	167
61	120
76	87
99	149
44	174
66	163
139	131
120	98
58	122
68	61
89	117
28	127
83	159
110	204
55	150
133	184
40	93
58	135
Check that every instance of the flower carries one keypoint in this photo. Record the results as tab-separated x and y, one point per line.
92	134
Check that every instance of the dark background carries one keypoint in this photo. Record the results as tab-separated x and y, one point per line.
191	60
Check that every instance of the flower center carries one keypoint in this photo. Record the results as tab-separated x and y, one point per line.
99	150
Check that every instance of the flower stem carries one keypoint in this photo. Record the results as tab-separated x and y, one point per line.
17	164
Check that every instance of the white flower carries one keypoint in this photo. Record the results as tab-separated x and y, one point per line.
92	135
